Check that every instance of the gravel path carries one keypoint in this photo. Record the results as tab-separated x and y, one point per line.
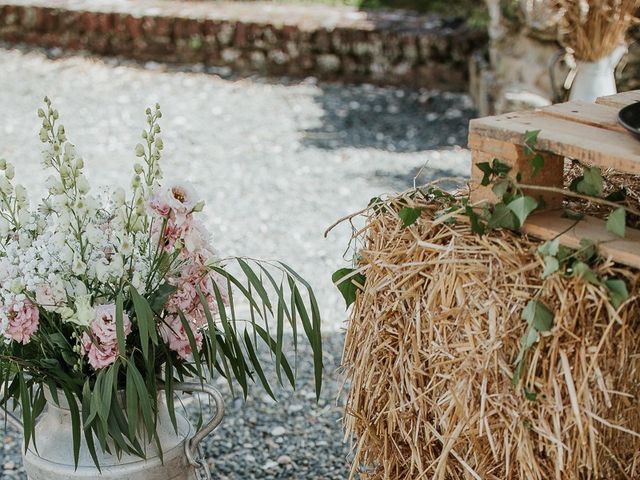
276	163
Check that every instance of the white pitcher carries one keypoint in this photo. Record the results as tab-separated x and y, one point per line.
53	459
597	79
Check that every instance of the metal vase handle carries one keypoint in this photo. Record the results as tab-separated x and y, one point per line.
191	445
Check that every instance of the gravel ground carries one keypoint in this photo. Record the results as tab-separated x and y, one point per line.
276	162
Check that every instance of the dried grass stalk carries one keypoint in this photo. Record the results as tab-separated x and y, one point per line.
594	28
430	349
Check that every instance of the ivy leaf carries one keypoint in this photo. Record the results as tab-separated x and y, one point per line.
550	247
618	292
582	270
501	187
537	164
531	396
573	186
502	217
350	286
409	215
477	226
587	249
592	184
488	172
500	168
617	221
522	207
530	141
617	196
551	265
538	316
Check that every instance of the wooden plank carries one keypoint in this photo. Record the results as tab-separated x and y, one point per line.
591	114
591	145
620	100
550	176
547	225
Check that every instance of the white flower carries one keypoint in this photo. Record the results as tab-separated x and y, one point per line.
119	197
84	313
78	266
181	197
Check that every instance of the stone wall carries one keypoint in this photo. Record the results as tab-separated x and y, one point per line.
272	39
516	74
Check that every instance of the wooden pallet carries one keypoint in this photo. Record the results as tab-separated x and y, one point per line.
586	132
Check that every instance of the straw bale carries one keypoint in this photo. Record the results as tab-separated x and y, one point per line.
430	353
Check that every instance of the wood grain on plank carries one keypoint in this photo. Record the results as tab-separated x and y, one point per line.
601	116
592	145
547	225
620	100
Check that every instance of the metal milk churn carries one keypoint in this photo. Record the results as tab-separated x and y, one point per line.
181	459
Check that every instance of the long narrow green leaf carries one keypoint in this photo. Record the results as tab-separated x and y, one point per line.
169	394
257	284
88	431
271	343
120	324
144	400
256	364
25	403
75	423
131	393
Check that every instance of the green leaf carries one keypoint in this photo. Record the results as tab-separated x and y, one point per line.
531	396
522	207
143	398
75	423
486	169
551	265
618	292
530	141
409	215
538	316
537	164
617	196
159	298
582	270
500	168
550	247
617	221
503	217
592	184
132	402
587	250
146	323
120	324
350	286
501	188
477	226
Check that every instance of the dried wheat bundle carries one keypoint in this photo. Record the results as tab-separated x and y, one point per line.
430	353
594	28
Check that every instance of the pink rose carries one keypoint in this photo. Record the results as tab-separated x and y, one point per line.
175	336
101	346
104	325
157	203
23	321
101	355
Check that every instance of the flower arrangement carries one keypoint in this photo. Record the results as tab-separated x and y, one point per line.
115	295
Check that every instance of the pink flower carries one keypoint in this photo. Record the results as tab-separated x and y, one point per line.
175	336
101	345
158	204
104	326
99	356
23	321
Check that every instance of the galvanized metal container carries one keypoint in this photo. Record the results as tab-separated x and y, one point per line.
53	458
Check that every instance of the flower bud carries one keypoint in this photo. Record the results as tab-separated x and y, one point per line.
82	184
3	164
119	197
79	164
139	150
137	168
159	143
136	181
44	135
198	207
40	113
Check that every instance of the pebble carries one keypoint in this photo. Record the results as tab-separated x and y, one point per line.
278	431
